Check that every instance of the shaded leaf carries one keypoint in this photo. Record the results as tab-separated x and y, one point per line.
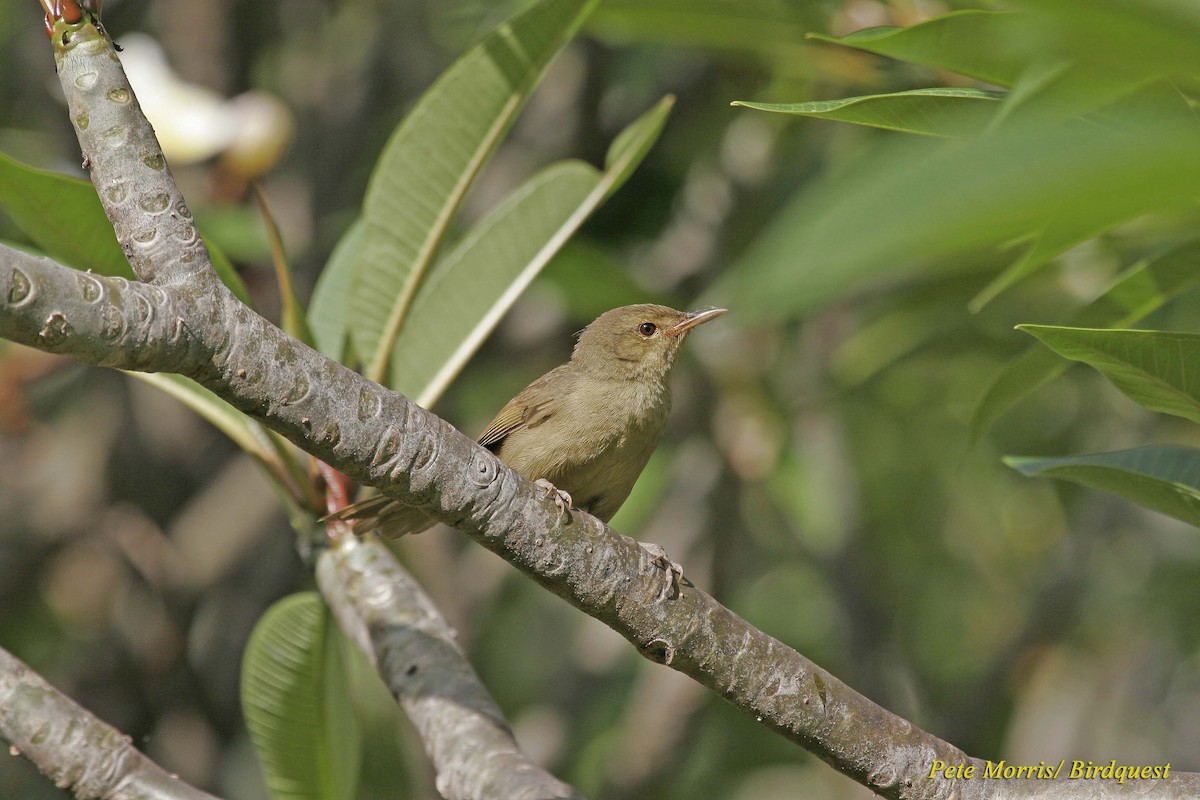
1141	290
431	160
981	44
1165	478
293	319
62	216
931	112
483	276
1158	369
930	199
294	702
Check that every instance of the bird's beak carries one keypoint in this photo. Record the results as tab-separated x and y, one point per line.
693	319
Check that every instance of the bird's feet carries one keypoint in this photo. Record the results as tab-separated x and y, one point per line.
561	499
674	577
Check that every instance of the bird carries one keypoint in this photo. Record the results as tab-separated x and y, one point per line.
585	430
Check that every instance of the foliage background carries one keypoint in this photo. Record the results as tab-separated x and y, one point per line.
818	475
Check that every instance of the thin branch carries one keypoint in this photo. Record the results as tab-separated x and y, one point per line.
392	620
75	749
381	439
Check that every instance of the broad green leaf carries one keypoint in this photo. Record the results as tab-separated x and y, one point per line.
951	113
1140	291
431	161
915	200
1165	478
329	309
1158	369
481	278
62	216
987	45
295	705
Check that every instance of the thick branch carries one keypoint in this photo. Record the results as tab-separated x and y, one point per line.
397	625
73	748
382	439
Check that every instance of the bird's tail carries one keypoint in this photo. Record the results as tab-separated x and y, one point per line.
388	517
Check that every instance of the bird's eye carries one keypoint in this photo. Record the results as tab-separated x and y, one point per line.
647	328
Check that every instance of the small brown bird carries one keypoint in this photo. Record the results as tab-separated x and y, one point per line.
585	429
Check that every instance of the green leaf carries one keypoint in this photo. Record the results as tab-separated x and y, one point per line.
916	200
1147	37
329	309
482	277
1141	290
295	704
953	113
62	216
987	45
293	320
431	161
1164	478
1158	369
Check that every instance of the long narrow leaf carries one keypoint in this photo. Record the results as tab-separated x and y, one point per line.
431	160
1159	370
1165	479
925	199
981	44
483	276
295	703
952	113
1140	291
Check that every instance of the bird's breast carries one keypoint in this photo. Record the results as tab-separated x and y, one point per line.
595	445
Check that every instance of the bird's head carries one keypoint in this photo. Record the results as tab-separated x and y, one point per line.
637	342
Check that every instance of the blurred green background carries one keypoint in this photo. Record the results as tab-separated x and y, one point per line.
818	475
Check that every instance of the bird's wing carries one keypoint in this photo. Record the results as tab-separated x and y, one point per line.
533	406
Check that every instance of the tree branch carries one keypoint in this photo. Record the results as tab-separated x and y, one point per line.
382	439
392	620
72	747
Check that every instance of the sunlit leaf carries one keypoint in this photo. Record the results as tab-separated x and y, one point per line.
931	112
481	278
431	160
295	703
329	309
1165	479
1138	292
1159	369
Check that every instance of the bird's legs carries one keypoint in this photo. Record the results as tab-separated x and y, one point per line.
561	499
674	570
